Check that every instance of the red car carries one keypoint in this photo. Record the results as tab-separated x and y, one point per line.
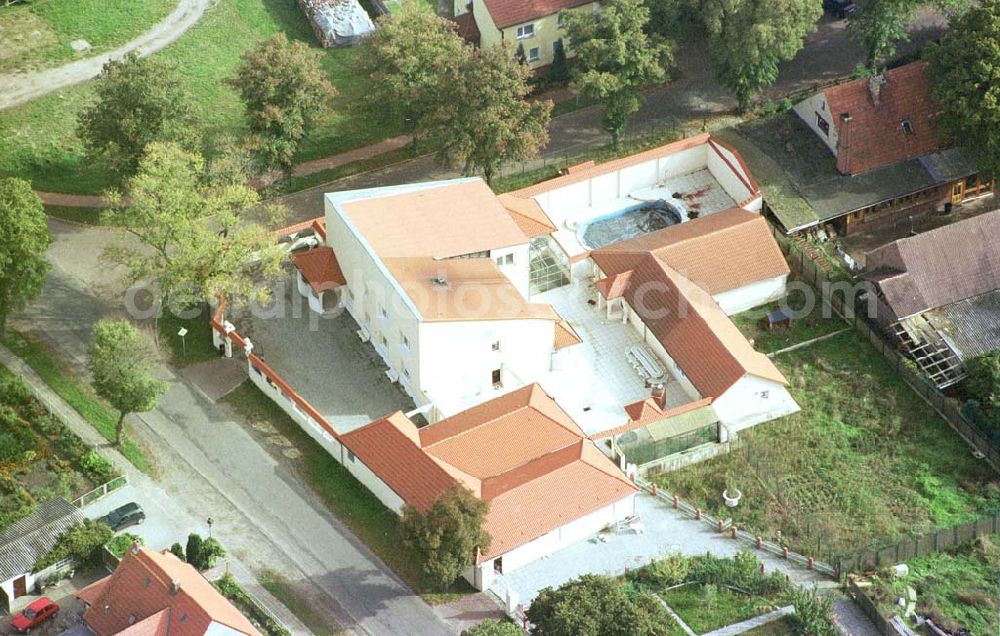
34	615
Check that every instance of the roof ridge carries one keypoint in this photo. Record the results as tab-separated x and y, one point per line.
480	424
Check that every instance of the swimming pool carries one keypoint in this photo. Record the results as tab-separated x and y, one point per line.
639	219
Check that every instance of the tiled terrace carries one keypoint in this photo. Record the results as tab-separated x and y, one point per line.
594	380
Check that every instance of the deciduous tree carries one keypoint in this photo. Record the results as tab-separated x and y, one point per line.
285	92
749	38
964	72
615	58
486	119
595	604
139	101
984	379
447	534
406	60
122	370
201	233
24	237
879	26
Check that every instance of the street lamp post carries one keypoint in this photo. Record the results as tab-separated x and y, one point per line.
210	522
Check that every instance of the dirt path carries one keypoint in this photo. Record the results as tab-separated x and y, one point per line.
18	88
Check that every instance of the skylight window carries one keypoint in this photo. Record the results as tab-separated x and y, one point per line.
907	127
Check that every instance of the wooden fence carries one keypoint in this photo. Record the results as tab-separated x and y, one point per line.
886	627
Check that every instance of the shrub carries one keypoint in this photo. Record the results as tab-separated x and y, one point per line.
202	553
490	627
669	570
595	604
229	588
82	542
97	468
813	613
15	392
122	543
178	551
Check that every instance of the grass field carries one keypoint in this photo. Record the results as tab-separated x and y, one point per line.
956	589
814	325
707	608
76	392
38	142
37	34
866	461
347	498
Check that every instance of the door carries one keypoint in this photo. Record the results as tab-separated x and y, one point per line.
20	587
958	191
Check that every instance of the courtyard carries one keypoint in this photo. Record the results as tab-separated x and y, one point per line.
595	379
322	357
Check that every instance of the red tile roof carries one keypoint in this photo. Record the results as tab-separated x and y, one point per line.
528	215
720	252
153	593
320	268
875	137
507	13
390	449
520	452
690	325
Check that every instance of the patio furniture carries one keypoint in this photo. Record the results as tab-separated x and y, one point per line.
644	362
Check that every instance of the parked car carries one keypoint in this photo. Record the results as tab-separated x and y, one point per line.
34	615
130	514
839	8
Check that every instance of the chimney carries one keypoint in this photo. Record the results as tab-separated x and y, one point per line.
175	586
875	87
844	144
659	395
135	547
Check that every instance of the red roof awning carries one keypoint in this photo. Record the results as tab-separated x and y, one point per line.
319	268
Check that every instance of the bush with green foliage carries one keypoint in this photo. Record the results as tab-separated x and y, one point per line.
742	571
122	543
178	551
813	613
663	572
229	588
82	542
559	69
984	379
202	553
97	467
491	627
595	604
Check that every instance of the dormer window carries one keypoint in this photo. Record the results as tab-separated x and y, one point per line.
907	127
525	31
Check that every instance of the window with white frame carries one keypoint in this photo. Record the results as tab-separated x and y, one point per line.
496	345
533	54
525	31
382	312
406	373
403	340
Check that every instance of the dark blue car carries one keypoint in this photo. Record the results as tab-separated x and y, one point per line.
839	8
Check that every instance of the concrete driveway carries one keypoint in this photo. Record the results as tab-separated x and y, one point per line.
165	523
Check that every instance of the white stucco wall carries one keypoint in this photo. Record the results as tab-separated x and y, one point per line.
753	295
518	272
726	169
809	108
573	532
457	370
753	400
372	482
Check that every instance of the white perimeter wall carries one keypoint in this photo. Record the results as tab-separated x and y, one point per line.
753	400
749	296
481	576
807	110
726	169
371	481
569	200
458	361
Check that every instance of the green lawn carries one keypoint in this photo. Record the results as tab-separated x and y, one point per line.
75	390
38	142
814	325
865	462
37	33
347	498
706	608
195	346
958	588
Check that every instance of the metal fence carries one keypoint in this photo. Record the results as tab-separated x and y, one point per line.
101	491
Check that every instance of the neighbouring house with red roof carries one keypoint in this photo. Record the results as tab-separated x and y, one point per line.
533	27
862	155
547	485
154	593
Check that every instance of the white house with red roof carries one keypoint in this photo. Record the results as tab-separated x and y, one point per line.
547	485
154	593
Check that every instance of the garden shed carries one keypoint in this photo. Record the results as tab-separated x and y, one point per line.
26	541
